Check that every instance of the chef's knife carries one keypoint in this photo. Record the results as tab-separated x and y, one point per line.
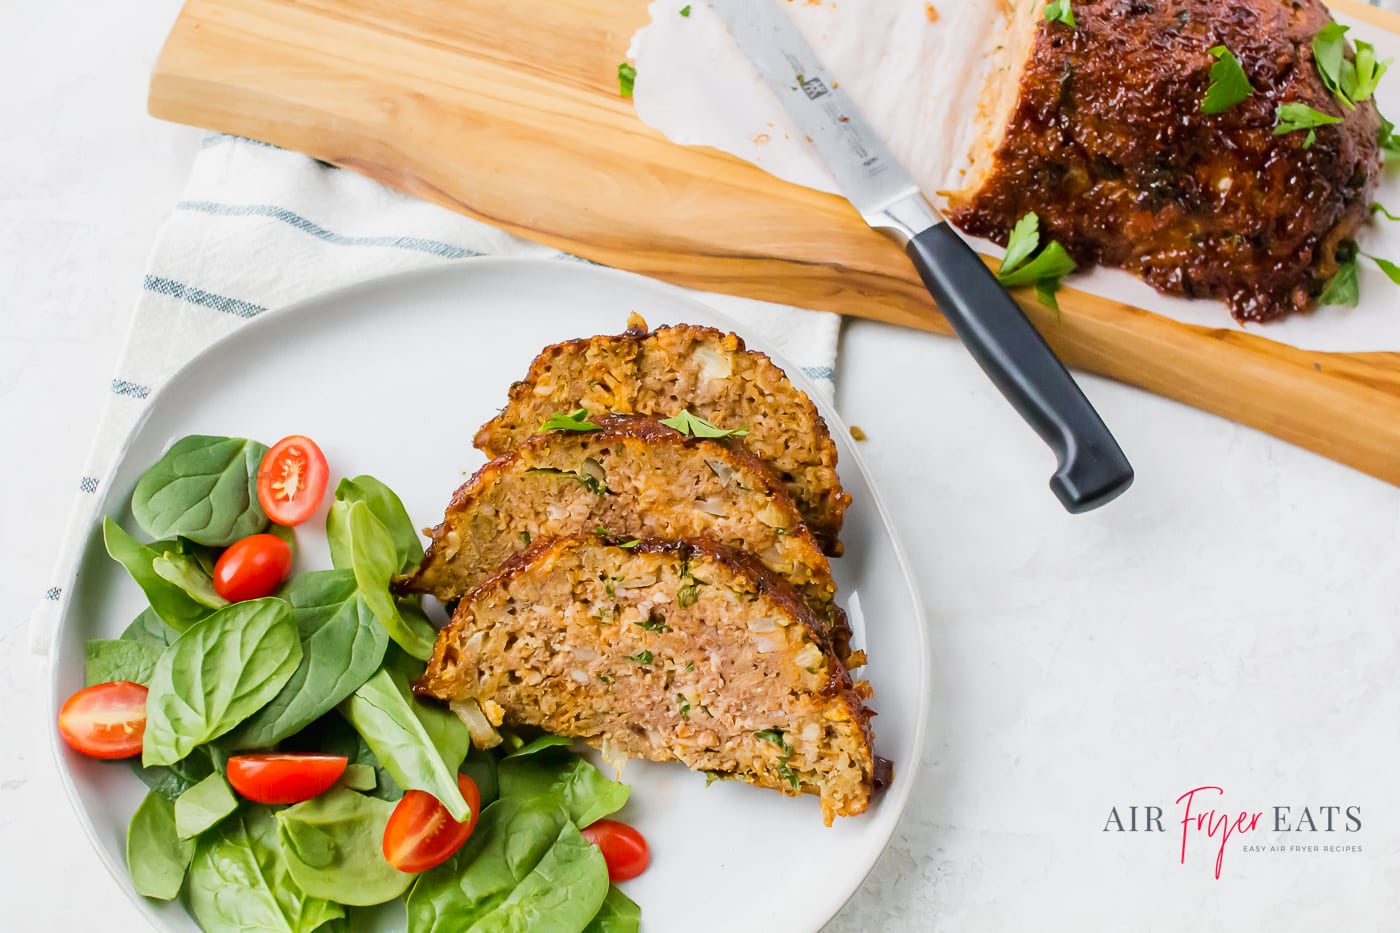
1092	469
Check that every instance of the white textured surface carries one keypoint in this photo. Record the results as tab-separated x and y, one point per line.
1231	621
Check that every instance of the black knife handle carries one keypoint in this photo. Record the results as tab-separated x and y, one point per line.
1092	469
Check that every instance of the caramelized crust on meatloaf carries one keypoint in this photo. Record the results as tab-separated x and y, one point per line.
635	477
1098	129
677	368
595	641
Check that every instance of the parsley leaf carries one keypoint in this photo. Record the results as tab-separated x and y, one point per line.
1293	117
1228	83
694	425
1366	72
626	78
641	657
525	538
1329	54
1059	11
1391	270
685	706
576	420
1377	209
685	10
1341	288
1044	271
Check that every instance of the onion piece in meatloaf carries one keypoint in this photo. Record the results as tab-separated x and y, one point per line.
671	369
634	477
591	640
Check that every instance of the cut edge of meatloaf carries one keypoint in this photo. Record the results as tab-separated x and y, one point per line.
685	367
633	477
589	640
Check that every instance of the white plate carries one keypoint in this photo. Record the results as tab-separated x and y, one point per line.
393	378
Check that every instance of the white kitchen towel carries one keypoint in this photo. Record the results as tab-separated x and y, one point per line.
259	228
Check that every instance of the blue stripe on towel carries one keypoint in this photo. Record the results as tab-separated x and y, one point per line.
292	219
219	138
52	593
87	484
819	372
130	389
198	296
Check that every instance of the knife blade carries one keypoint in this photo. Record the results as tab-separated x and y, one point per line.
1091	467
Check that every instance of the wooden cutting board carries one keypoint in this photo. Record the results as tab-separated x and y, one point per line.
508	111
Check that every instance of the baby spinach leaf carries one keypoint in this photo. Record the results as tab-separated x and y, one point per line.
525	867
148	629
170	602
540	744
204	488
581	789
373	556
170	781
382	712
239	881
333	846
1060	11
156	856
619	914
203	806
119	659
359	777
218	674
386	506
448	733
187	572
480	766
341	646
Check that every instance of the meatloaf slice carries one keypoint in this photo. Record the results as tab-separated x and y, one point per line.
596	641
1098	129
632	478
671	369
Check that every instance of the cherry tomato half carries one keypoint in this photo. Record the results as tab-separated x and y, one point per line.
284	777
105	720
252	567
422	834
623	847
292	480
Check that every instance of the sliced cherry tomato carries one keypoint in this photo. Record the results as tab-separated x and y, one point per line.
252	567
292	480
284	777
422	834
623	847
105	720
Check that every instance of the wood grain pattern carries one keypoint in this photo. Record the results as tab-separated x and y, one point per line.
508	111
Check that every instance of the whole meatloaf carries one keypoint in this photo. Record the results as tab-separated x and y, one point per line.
596	641
1098	129
633	477
685	367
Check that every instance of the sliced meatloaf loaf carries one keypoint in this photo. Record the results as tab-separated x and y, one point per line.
678	368
632	477
600	642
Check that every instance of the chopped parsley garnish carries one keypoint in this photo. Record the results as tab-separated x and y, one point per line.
1341	289
687	595
1376	208
1391	270
576	420
655	622
1229	85
592	483
685	706
694	425
776	737
626	78
602	532
525	538
685	10
631	544
773	735
641	657
605	677
1294	117
1058	11
1351	80
690	666
1044	271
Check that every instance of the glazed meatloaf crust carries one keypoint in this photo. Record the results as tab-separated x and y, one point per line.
1098	129
634	477
672	369
595	641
